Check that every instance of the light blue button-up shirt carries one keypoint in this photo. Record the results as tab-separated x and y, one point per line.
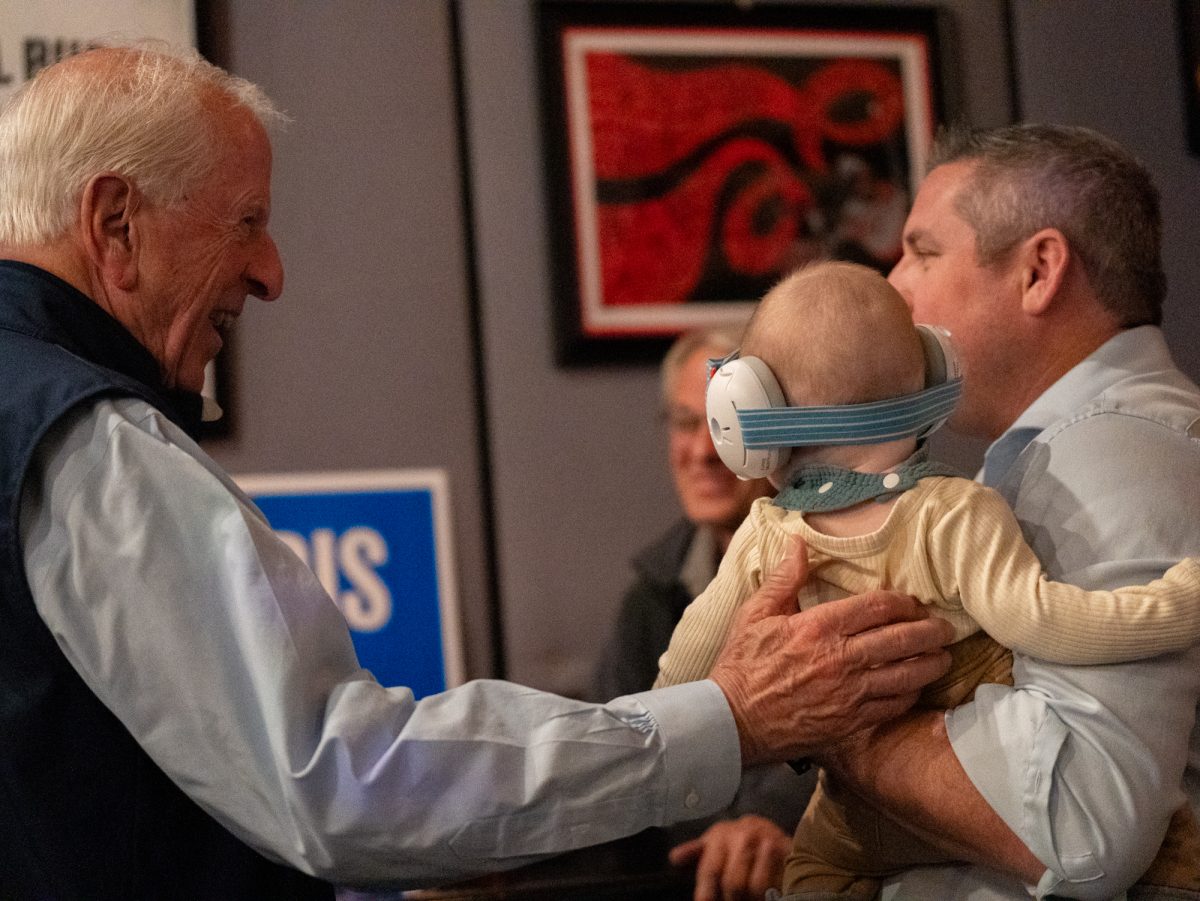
223	656
1086	763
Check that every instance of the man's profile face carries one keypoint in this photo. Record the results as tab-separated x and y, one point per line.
940	278
202	257
708	492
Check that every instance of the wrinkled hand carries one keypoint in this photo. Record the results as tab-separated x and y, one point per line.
736	860
797	682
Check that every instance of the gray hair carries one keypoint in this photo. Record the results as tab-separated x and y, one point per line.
146	113
722	339
1029	177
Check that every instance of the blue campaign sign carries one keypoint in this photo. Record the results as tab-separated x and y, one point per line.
379	542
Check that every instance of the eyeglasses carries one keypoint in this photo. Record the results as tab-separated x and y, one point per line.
681	421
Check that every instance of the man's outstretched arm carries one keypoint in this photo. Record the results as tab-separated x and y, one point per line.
799	682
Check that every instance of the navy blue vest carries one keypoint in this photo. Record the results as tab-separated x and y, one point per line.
84	813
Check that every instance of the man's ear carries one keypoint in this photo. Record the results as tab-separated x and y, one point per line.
110	236
1044	258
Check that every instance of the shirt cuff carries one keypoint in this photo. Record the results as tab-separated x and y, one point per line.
701	749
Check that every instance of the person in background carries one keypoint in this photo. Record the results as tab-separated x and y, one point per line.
182	714
677	565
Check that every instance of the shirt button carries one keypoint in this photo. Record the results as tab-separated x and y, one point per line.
891	480
691	800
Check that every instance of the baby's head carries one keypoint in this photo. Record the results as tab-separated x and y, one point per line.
836	333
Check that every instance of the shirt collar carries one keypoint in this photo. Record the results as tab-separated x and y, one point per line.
699	566
1129	352
1132	351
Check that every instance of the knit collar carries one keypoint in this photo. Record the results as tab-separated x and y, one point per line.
822	488
36	303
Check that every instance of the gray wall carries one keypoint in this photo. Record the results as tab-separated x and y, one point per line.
369	359
1115	67
366	361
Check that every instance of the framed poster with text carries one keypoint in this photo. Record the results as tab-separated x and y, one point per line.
34	35
379	542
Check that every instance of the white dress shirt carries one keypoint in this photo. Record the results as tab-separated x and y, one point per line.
220	652
1085	763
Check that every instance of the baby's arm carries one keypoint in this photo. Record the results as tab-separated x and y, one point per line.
701	632
977	551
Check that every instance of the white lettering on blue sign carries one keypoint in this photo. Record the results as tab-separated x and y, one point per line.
355	556
379	542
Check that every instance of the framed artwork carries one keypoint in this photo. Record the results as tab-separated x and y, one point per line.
1189	39
696	153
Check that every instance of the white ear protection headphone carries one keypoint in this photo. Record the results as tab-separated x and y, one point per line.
754	430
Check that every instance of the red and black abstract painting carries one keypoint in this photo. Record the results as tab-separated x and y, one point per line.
697	164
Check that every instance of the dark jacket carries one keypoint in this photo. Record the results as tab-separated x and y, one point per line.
649	611
84	812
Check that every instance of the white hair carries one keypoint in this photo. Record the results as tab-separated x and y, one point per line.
145	113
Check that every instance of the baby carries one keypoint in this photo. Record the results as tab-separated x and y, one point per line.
882	516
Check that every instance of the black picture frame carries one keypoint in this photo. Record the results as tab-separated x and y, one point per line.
643	100
212	42
1189	57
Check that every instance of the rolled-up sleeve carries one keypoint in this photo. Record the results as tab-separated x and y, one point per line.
1083	763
